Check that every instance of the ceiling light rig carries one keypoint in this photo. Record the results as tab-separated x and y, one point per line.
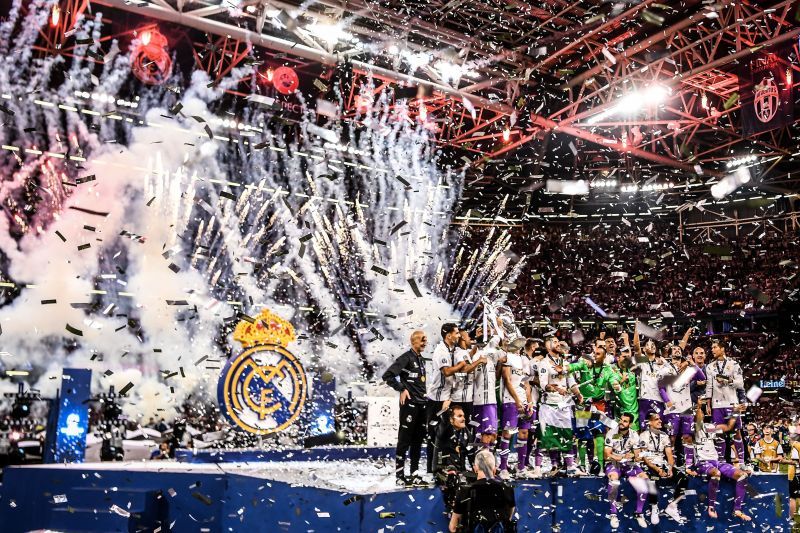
742	161
634	102
603	184
649	187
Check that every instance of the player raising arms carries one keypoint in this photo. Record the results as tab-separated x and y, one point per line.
675	389
649	366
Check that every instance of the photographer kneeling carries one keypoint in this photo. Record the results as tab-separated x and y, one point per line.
455	450
485	505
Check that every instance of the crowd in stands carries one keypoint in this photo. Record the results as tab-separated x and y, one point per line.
649	272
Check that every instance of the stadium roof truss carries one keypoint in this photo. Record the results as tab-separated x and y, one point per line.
501	75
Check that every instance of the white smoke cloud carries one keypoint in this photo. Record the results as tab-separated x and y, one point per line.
161	185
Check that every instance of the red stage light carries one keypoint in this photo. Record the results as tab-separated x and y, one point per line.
55	16
506	135
150	59
789	77
285	80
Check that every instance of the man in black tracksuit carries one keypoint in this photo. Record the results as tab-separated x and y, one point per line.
407	376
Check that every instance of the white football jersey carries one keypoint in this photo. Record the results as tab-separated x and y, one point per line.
679	390
462	381
483	389
519	371
533	379
723	394
622	444
437	385
704	446
549	375
649	374
654	443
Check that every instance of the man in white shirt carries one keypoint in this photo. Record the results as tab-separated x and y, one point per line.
658	456
440	369
534	389
557	406
515	403
463	387
675	389
649	367
484	400
724	386
710	463
622	460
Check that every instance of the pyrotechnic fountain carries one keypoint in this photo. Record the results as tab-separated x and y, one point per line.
138	228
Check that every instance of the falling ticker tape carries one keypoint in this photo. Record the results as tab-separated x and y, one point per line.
74	331
413	284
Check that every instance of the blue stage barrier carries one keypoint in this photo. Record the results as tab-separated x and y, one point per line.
207	500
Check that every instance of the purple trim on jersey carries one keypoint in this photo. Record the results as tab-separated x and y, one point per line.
648	406
486	417
624	469
726	469
677	424
721	415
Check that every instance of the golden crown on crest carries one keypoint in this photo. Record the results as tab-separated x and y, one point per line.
266	328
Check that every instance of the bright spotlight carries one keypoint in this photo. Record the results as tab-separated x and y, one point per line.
730	183
634	102
416	60
330	33
449	72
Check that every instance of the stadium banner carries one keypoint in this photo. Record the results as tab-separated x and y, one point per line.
765	90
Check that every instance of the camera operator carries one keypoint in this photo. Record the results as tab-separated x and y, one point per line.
487	502
454	449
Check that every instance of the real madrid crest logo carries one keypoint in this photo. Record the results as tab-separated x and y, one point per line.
263	390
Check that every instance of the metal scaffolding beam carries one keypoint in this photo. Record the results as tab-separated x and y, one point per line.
222	29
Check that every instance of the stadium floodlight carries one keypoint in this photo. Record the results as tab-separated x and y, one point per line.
634	102
329	33
730	183
739	161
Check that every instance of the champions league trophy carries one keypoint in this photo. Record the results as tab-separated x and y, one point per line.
500	319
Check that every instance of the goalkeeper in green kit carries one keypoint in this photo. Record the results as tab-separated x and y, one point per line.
588	373
626	394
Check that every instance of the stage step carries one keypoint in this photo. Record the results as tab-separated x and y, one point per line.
94	509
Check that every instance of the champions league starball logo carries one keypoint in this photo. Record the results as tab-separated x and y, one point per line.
766	100
263	390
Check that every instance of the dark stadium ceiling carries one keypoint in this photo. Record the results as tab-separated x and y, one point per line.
519	93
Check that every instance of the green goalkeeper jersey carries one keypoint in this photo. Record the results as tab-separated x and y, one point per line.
588	379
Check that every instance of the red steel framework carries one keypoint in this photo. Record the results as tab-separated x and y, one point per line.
596	56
